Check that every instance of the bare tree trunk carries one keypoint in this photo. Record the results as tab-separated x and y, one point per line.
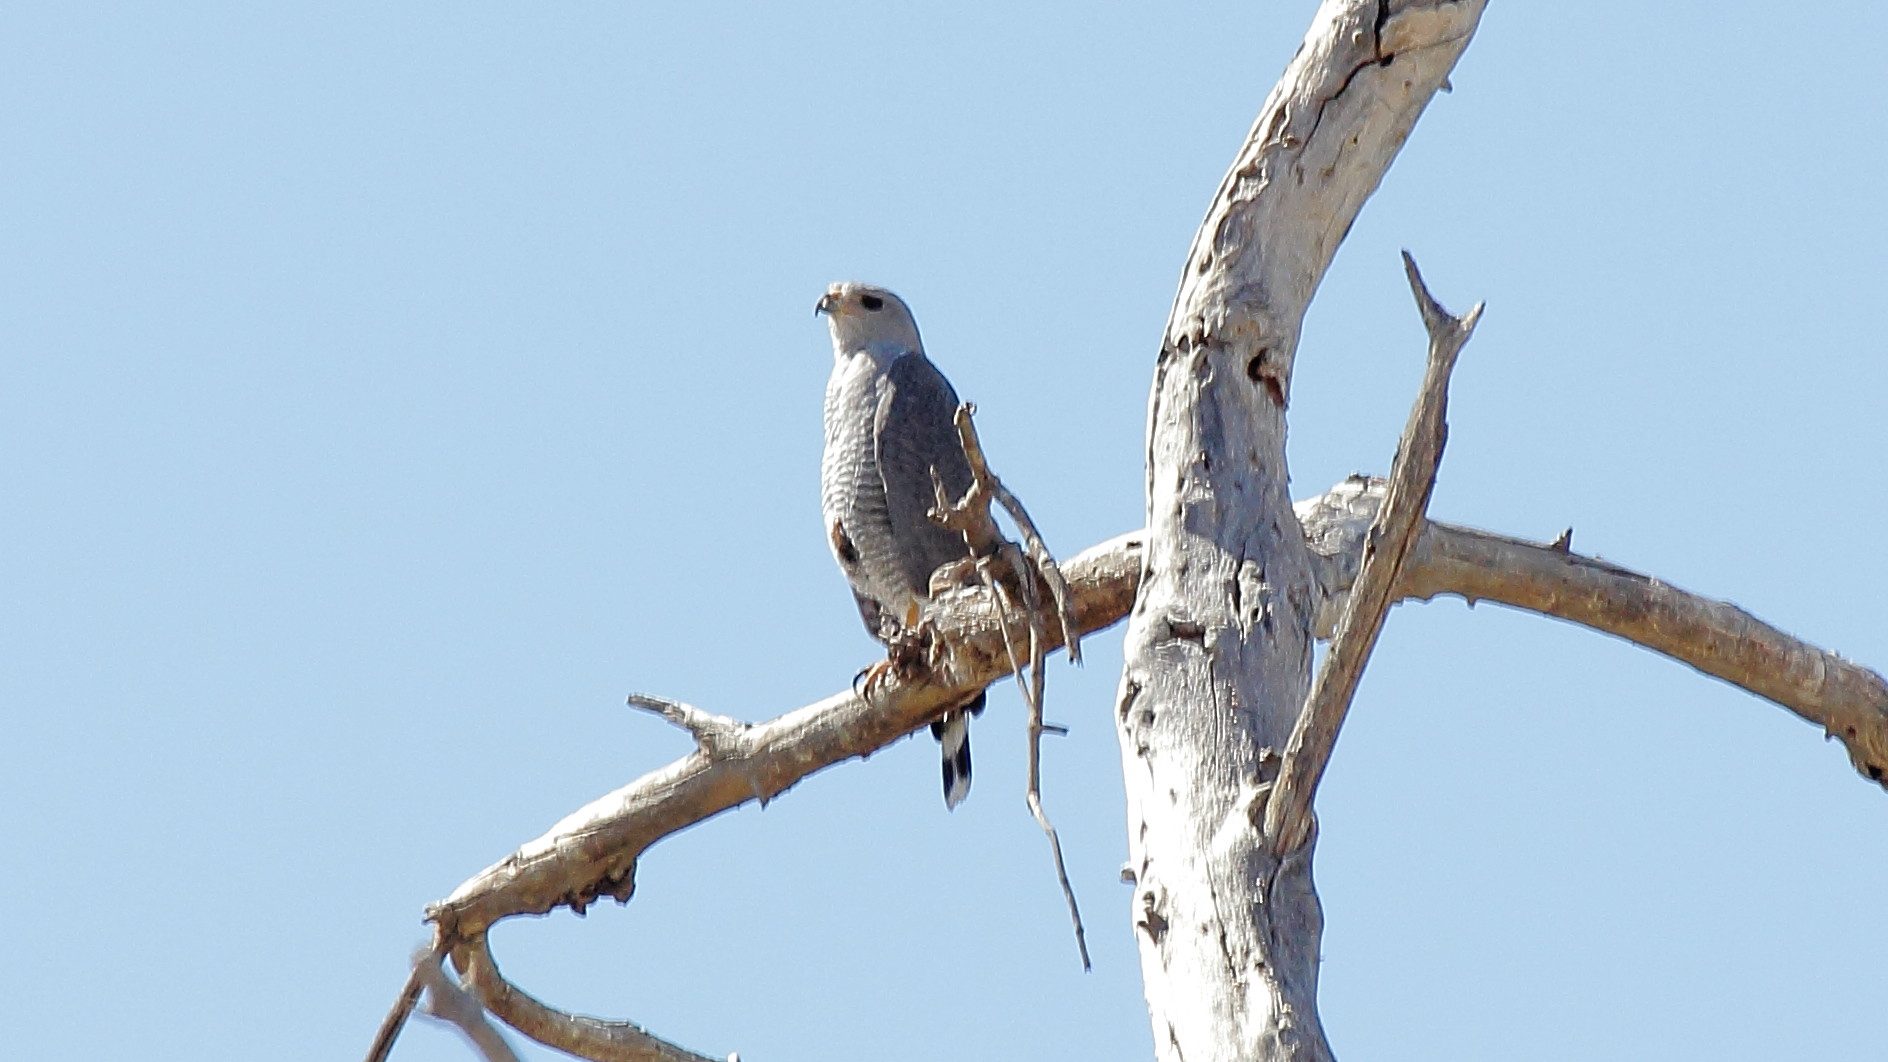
1219	642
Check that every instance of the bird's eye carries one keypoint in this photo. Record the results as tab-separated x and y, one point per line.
871	302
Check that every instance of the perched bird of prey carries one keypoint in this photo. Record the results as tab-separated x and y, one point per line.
888	424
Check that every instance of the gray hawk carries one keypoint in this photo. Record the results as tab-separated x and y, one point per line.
888	424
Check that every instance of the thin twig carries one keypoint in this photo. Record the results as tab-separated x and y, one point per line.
1038	634
1412	480
1048	828
1000	599
1032	703
402	1009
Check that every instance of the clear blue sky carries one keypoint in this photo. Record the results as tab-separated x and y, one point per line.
385	392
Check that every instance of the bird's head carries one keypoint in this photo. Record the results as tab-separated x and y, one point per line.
863	317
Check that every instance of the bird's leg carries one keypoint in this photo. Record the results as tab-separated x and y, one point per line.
909	648
867	677
872	677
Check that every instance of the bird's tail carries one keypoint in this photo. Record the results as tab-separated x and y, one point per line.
953	734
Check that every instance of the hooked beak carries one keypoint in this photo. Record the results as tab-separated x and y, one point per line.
824	305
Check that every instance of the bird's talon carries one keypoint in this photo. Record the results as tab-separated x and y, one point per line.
908	653
867	681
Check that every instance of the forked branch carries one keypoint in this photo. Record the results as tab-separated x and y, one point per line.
452	1004
970	516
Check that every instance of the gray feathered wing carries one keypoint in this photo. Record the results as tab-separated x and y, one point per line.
913	433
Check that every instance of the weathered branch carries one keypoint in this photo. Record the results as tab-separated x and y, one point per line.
593	852
1406	499
1848	701
970	517
1033	545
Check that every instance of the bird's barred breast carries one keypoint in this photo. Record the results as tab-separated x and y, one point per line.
852	491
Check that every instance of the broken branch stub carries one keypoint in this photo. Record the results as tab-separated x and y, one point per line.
716	736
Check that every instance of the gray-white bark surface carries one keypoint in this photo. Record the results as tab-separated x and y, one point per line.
1219	643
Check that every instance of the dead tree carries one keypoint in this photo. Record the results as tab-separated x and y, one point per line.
1224	730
